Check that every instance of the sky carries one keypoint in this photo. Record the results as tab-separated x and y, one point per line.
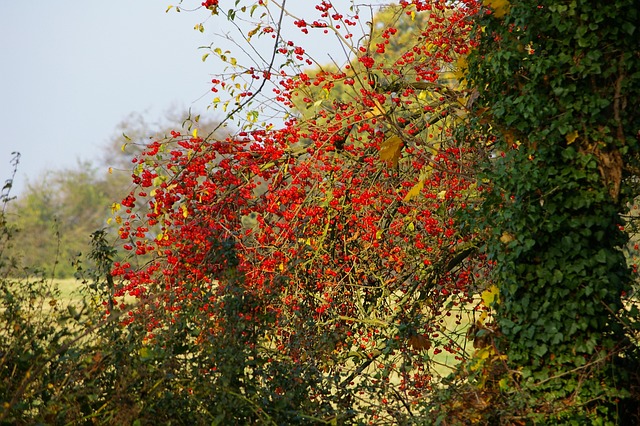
73	69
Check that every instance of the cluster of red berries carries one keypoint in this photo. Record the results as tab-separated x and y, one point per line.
210	4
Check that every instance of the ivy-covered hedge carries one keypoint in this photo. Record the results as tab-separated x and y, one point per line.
558	87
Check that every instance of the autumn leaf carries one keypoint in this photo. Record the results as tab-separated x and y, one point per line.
500	7
414	191
377	110
460	69
419	342
491	295
506	238
390	150
571	137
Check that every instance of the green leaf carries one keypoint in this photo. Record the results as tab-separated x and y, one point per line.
540	350
601	256
629	28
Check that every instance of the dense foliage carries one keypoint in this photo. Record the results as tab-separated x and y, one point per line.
337	232
556	84
431	231
52	219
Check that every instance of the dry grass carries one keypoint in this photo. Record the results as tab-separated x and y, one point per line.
70	288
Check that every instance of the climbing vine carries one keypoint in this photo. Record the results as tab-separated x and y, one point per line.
555	87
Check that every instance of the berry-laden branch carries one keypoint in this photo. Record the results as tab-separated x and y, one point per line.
335	232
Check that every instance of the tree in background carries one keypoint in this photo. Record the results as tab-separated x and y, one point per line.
56	216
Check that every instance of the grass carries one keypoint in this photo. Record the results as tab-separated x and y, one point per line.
70	289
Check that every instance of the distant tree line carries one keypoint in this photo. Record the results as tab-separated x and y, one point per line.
60	208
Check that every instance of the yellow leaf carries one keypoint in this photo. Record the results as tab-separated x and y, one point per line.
491	295
195	133
115	207
484	353
123	147
461	67
414	191
109	220
571	137
185	212
253	32
379	233
506	238
376	111
500	7
479	356
144	353
118	220
390	150
503	384
110	170
205	56
169	8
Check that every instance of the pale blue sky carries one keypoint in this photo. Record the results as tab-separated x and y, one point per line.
73	69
